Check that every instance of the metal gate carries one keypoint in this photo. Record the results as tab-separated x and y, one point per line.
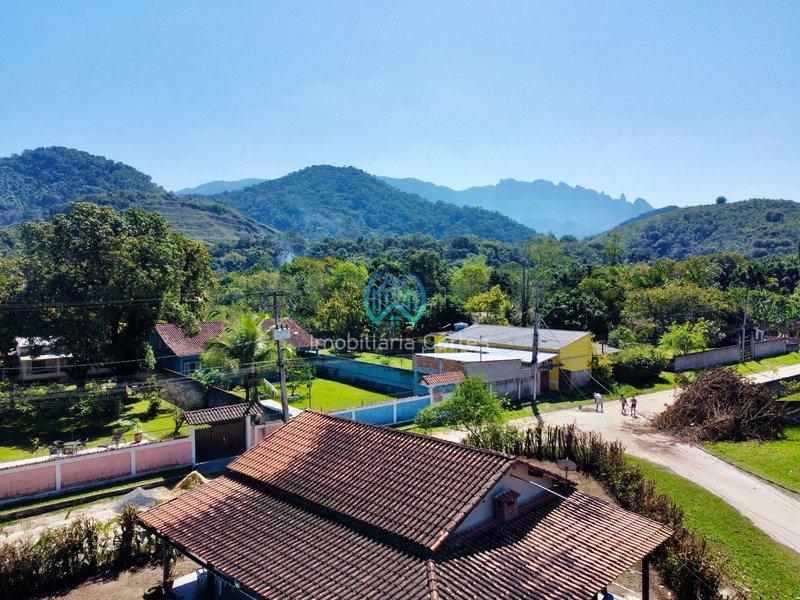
219	440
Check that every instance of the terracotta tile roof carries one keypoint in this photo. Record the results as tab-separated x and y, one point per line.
182	345
412	486
557	548
219	414
443	378
279	550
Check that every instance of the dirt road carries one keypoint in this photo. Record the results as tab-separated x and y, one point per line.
774	512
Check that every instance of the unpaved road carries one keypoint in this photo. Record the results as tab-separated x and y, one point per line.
101	510
774	512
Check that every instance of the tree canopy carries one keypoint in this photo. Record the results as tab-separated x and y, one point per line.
96	282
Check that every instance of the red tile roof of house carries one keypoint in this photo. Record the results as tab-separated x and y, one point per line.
443	378
356	510
219	414
182	345
416	487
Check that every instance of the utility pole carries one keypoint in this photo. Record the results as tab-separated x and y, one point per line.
535	353
281	334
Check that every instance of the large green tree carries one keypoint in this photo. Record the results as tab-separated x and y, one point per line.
97	281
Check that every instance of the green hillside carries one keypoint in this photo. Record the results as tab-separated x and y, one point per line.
39	183
344	201
753	228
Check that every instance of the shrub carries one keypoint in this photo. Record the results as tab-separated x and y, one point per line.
65	555
684	562
602	369
639	364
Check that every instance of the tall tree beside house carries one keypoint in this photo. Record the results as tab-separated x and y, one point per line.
99	281
242	351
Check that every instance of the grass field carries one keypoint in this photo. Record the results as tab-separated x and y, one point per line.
15	445
777	460
328	395
767	569
399	362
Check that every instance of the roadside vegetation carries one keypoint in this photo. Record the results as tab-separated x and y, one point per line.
777	460
760	566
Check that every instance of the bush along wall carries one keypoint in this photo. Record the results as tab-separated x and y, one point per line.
68	555
685	562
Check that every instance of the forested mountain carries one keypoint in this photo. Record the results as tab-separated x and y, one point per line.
754	228
217	187
344	201
39	183
541	205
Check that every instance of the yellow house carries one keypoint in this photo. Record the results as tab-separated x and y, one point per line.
570	368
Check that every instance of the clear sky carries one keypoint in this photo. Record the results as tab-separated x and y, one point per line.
677	102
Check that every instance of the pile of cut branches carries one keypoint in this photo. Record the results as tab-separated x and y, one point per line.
720	405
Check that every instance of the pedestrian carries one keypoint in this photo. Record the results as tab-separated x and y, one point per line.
598	402
633	406
623	403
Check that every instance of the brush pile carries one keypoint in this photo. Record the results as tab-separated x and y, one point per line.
720	405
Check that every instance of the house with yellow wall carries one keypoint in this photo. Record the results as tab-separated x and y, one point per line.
568	366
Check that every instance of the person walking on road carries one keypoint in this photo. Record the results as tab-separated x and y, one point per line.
598	402
633	406
623	403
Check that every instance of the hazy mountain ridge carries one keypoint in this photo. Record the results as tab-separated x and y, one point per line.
38	183
323	200
218	187
541	204
754	228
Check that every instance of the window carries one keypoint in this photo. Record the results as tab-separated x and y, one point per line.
39	367
191	367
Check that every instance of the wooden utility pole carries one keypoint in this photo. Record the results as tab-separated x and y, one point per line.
281	334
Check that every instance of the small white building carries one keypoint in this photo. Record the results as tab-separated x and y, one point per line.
36	360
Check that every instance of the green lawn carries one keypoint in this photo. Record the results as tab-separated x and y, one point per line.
399	362
328	395
16	445
767	569
778	460
766	364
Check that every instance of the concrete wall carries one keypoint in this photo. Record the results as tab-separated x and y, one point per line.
769	348
390	380
387	413
53	475
726	356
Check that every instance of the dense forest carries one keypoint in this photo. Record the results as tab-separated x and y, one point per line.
38	184
754	228
344	201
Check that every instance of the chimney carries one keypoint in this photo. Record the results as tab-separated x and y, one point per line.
506	506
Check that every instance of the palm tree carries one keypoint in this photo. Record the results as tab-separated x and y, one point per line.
243	347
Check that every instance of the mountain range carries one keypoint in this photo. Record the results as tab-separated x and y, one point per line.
541	205
344	201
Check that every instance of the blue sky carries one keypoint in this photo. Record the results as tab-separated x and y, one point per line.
677	102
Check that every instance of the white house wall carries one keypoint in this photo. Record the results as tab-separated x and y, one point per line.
516	479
